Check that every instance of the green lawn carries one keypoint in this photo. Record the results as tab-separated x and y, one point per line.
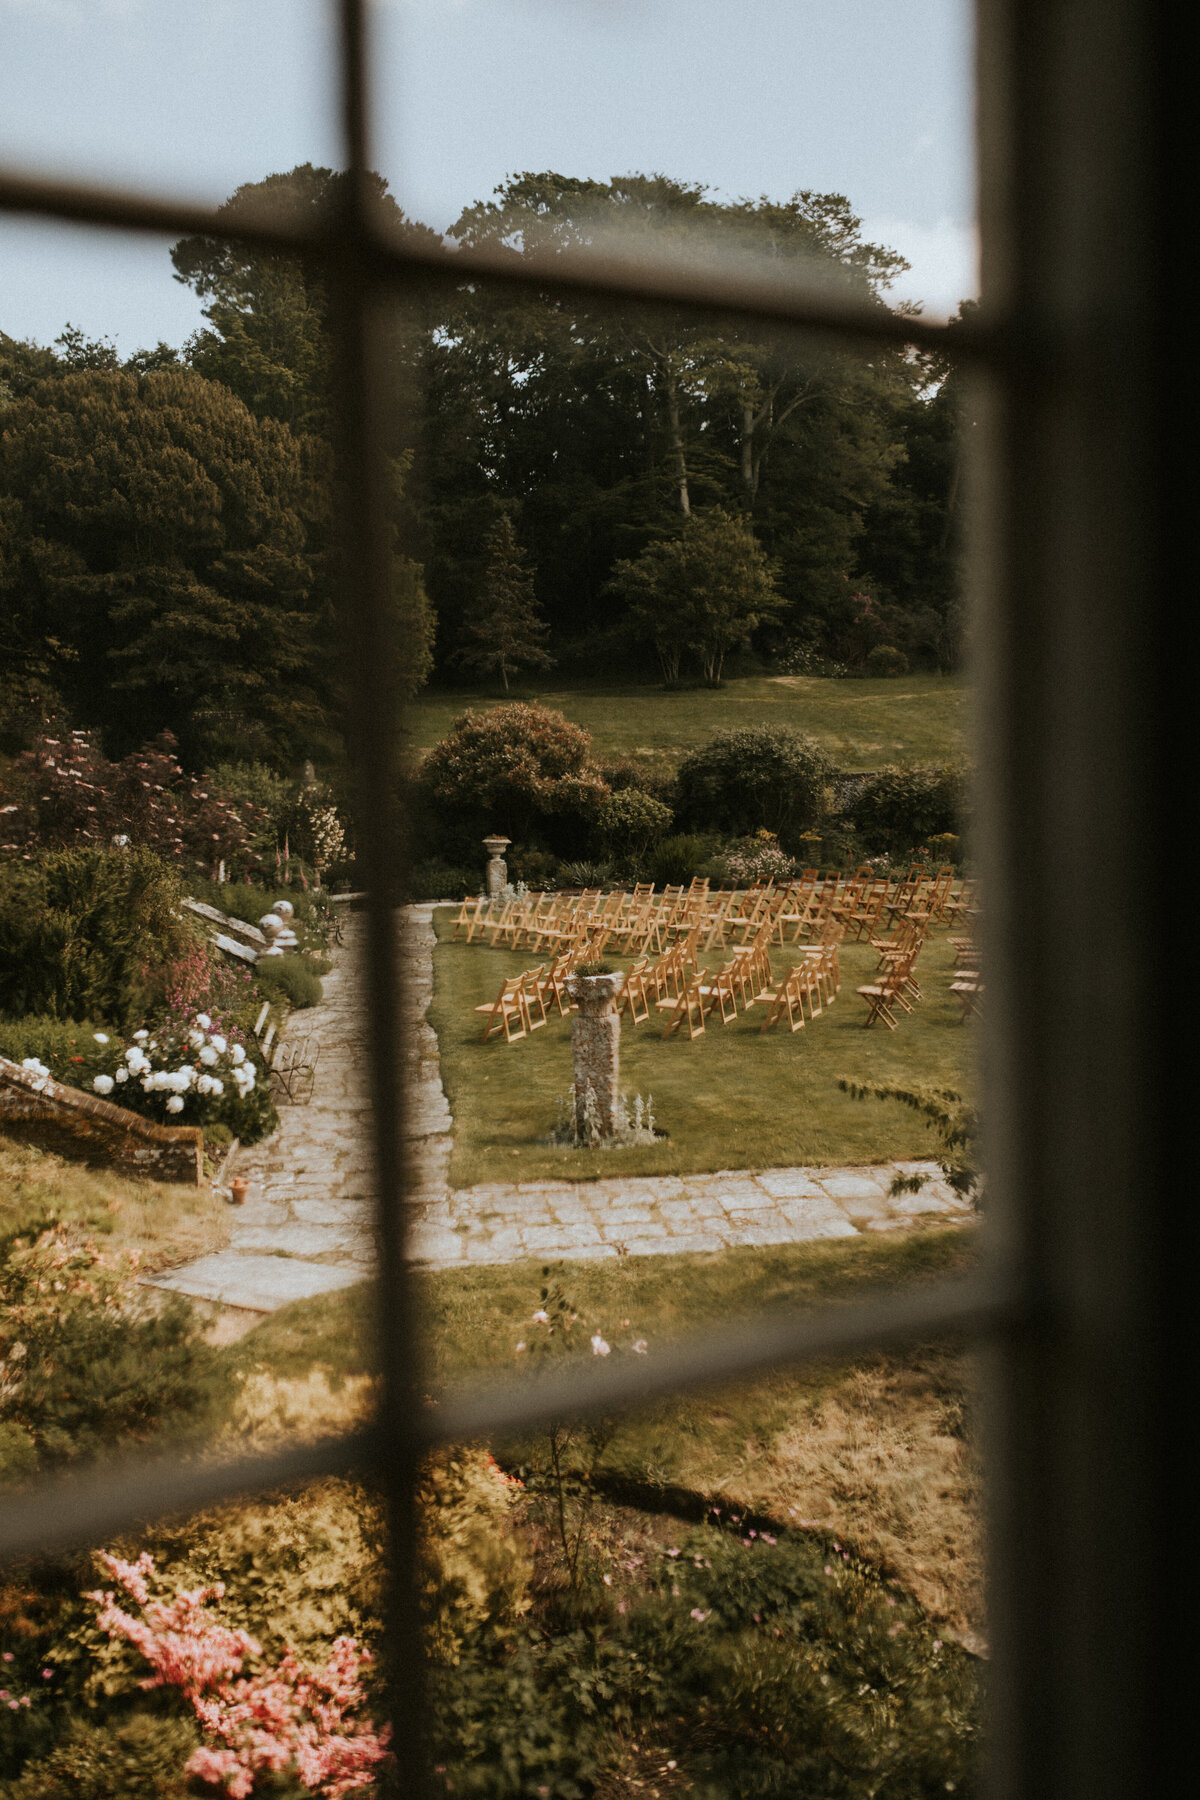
734	1098
862	724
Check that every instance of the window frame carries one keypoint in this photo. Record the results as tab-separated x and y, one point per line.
1078	1304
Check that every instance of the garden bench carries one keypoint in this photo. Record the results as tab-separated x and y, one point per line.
293	1069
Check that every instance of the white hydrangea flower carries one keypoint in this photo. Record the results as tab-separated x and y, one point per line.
218	1044
218	1086
103	1084
203	1020
208	1055
101	1037
122	1075
196	1039
139	1037
174	1104
237	1055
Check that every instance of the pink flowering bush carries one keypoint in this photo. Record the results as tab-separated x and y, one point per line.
257	1720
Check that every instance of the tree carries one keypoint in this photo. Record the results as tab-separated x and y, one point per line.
503	631
150	527
704	590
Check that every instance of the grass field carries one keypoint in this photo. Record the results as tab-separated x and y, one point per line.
862	724
734	1098
876	1452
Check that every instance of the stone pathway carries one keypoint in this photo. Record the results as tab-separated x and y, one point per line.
306	1227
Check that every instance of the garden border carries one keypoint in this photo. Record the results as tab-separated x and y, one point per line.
134	1144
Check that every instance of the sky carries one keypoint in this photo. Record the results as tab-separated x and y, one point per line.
867	98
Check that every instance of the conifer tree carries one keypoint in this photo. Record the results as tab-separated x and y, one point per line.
503	630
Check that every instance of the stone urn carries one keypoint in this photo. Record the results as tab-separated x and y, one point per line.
497	869
596	1049
271	926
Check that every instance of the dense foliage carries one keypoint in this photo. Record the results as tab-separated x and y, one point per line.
85	1361
91	934
63	794
759	778
521	771
899	809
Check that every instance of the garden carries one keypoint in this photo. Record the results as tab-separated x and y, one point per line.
773	1584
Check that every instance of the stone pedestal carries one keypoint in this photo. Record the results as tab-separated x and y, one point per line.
497	869
596	1049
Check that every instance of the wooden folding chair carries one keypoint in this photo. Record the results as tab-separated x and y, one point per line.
797	987
969	989
468	917
719	992
531	991
688	1009
881	996
633	995
507	1009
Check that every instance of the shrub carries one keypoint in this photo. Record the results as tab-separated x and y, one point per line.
85	1360
902	808
675	860
757	858
538	869
90	933
180	1072
521	771
629	822
264	798
63	794
885	659
621	772
755	778
290	978
139	1758
435	880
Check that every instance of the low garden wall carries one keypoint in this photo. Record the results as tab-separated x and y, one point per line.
65	1119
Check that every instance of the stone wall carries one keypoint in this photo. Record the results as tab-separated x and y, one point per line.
73	1123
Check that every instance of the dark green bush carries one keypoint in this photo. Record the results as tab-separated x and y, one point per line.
630	822
675	860
759	778
55	1042
622	772
762	1670
442	881
900	809
289	978
138	1758
885	660
85	933
538	869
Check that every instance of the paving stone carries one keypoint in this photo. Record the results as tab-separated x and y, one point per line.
788	1184
853	1187
260	1283
291	1240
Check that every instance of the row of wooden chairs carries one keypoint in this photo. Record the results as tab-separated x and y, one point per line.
638	921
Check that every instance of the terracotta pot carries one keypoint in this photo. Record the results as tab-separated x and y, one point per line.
238	1189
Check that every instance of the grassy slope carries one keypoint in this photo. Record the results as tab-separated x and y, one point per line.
873	1451
862	724
734	1098
165	1222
